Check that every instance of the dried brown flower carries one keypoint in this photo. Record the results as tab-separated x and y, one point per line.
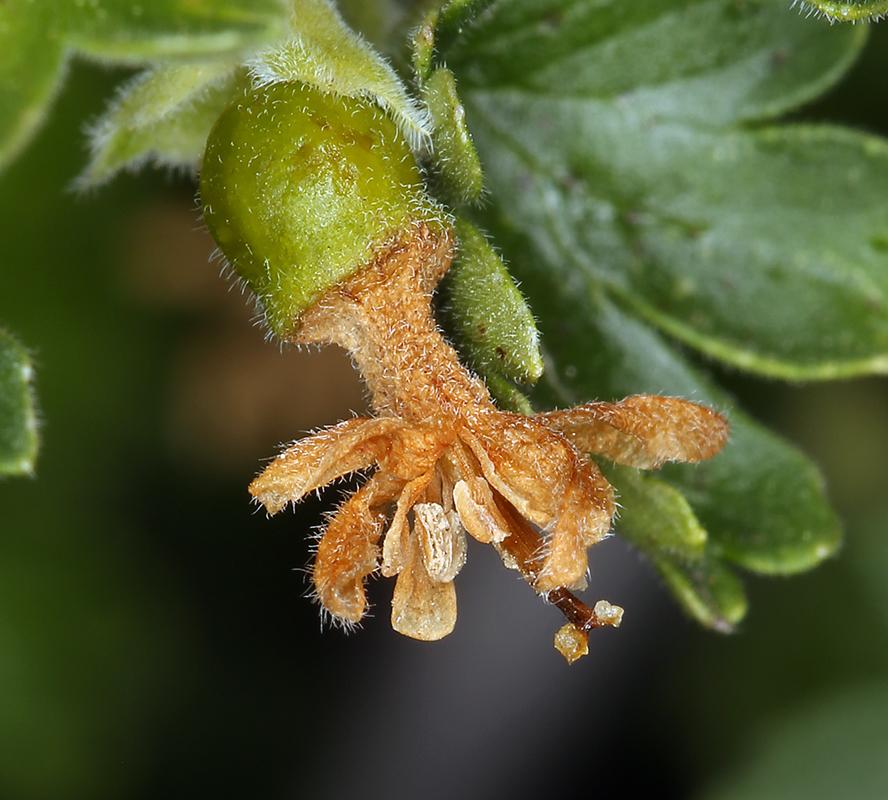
448	462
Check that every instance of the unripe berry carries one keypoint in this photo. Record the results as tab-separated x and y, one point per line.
301	188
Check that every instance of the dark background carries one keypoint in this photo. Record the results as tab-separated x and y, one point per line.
154	636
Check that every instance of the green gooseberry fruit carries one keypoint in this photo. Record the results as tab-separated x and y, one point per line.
300	188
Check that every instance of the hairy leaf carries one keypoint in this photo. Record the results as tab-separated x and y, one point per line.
708	590
488	313
760	500
620	142
38	36
455	162
324	52
655	515
165	115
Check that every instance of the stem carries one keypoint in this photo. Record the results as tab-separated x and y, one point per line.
382	316
523	545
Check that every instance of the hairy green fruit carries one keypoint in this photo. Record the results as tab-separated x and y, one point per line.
301	188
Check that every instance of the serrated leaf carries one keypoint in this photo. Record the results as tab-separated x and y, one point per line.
18	420
37	37
631	173
164	115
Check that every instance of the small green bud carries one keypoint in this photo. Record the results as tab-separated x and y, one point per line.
490	316
300	189
456	164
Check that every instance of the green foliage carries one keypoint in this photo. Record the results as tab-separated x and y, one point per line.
39	36
163	115
638	186
454	162
648	181
18	421
324	52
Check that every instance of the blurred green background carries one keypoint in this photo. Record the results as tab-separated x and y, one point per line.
154	637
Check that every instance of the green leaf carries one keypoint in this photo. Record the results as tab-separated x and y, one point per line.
846	10
31	67
712	61
164	115
760	501
654	515
658	520
38	36
455	161
707	590
18	420
615	141
137	33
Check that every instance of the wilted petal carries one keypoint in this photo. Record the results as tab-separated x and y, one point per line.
442	541
643	431
564	555
321	458
394	547
348	551
422	608
479	514
526	463
589	502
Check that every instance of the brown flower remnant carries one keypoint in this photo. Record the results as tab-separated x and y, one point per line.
450	463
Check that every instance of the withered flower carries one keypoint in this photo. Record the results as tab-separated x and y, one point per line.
445	460
451	463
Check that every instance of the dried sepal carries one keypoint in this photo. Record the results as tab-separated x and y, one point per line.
643	431
422	608
321	458
348	551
